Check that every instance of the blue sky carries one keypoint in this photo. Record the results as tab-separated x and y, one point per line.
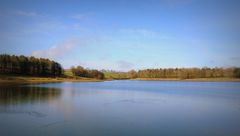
124	34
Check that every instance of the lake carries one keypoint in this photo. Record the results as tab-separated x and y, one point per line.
121	108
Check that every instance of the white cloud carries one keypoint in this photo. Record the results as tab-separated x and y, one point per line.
61	49
124	65
58	50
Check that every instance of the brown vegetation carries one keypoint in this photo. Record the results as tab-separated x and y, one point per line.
6	80
82	72
186	73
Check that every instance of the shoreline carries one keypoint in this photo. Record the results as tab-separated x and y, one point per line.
191	80
25	80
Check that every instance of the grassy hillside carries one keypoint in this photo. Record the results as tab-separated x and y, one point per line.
115	75
68	73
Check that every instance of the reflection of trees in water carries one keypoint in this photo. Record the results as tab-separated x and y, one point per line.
19	95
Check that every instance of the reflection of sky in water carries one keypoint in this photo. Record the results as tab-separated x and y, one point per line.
123	108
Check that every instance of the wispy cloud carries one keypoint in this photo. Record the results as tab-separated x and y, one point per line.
18	13
46	27
100	64
61	49
81	16
141	32
144	33
124	65
58	50
120	65
234	59
25	13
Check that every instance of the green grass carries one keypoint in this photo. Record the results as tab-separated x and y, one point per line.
115	75
68	73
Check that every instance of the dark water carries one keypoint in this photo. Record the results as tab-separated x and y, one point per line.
121	108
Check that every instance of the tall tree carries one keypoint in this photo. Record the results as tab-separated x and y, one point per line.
11	64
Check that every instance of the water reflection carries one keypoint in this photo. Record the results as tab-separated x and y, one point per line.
118	108
24	95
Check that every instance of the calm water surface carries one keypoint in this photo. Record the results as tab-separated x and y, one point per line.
121	108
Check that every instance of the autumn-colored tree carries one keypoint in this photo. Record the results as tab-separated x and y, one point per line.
82	72
187	73
132	74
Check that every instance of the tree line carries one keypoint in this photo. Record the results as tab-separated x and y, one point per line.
82	72
22	65
186	73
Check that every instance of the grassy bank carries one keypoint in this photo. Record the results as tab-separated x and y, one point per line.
195	79
6	80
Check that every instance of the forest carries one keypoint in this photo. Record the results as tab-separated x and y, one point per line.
22	65
31	66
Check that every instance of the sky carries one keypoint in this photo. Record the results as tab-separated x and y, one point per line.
123	34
